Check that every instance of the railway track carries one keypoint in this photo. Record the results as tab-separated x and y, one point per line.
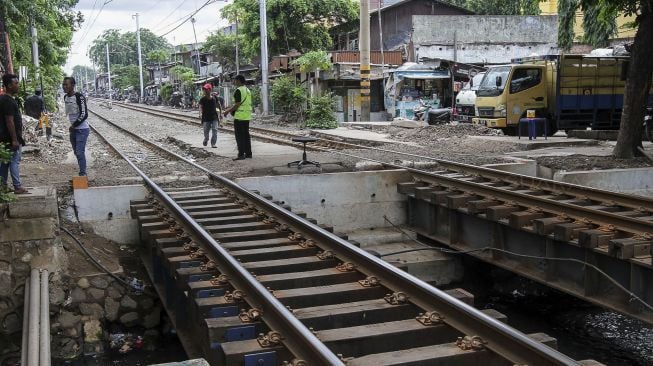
621	211
613	230
248	281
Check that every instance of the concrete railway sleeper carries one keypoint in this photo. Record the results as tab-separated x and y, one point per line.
247	281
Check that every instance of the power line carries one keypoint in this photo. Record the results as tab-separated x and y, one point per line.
90	16
169	15
94	20
188	18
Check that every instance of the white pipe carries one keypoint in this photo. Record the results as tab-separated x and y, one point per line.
23	349
34	304
44	350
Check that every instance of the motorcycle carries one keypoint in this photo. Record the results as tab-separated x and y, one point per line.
421	112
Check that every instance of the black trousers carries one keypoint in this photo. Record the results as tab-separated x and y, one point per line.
243	140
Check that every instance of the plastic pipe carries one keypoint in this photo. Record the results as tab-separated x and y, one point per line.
34	304
23	348
44	339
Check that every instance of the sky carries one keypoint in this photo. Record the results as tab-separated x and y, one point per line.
159	16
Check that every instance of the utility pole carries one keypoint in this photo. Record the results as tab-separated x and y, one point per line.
378	14
140	62
197	52
109	74
237	49
364	48
264	56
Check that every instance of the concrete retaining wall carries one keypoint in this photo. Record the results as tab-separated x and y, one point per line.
105	211
633	181
484	38
28	239
346	201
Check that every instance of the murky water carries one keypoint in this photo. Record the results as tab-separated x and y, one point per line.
170	351
583	331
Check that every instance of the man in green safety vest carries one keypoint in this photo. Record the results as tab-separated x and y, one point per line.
242	112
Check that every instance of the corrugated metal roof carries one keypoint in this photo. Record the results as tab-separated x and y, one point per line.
389	57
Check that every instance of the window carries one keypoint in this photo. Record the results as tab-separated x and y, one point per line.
523	79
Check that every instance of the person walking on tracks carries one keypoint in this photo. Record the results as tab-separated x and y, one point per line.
75	107
209	115
11	133
242	112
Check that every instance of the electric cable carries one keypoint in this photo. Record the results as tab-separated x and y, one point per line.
189	17
158	25
102	267
632	296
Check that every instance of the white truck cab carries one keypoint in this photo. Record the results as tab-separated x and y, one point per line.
466	98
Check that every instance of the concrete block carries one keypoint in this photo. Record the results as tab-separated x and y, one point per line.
27	229
407	123
523	167
40	202
105	211
345	201
638	181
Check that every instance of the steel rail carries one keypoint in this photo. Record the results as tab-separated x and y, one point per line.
297	338
501	338
594	194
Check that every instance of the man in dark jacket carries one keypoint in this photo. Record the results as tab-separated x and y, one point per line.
34	105
11	133
75	104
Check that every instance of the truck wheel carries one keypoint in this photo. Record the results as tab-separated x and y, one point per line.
509	131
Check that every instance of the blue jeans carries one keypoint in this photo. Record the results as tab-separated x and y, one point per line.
13	167
78	141
212	127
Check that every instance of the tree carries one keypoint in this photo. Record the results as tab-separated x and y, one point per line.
640	67
157	57
288	98
222	47
83	73
184	74
55	21
501	7
292	24
123	47
314	61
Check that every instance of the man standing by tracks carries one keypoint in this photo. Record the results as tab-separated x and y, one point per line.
75	107
11	133
209	115
242	112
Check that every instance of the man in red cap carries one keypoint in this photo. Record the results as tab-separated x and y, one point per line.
208	115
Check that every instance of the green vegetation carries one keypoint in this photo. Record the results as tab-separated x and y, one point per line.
183	74
166	93
320	112
5	194
501	7
55	22
289	99
123	47
223	48
314	61
302	25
